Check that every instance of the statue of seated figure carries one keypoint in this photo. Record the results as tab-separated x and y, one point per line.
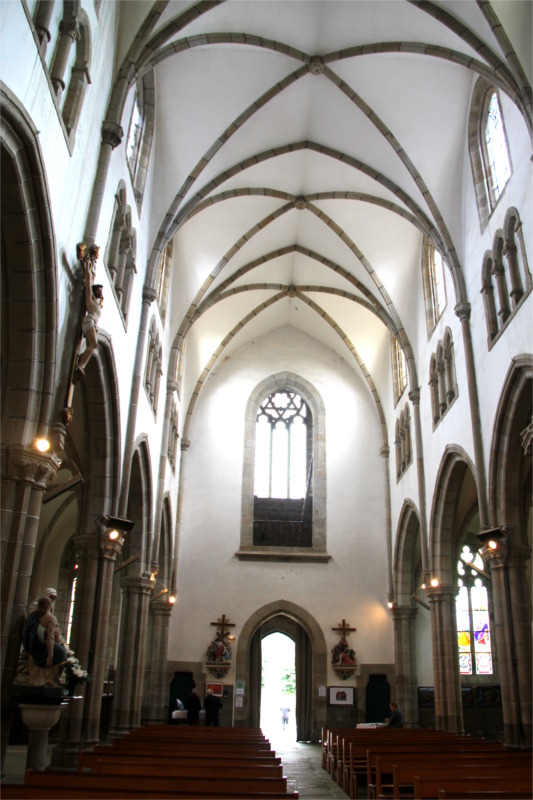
45	646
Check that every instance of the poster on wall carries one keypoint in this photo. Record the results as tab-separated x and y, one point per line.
216	688
341	695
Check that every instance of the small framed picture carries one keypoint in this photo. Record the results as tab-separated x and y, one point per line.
341	695
216	688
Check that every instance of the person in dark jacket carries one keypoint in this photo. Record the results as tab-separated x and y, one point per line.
396	717
212	707
193	706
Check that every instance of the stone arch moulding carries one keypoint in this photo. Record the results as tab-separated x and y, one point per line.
319	483
22	165
405	549
511	444
283	608
454	466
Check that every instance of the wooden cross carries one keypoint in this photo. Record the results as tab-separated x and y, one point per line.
344	628
222	624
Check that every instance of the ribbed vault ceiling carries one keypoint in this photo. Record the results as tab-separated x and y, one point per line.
302	150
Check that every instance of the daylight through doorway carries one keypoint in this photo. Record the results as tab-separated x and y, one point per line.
278	688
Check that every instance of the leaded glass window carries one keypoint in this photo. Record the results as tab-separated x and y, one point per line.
473	619
281	446
134	137
497	155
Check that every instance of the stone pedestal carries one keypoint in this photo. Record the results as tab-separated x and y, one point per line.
39	719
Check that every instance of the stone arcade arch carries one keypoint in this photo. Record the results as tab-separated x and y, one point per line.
455	497
510	507
407	570
94	435
29	340
289	618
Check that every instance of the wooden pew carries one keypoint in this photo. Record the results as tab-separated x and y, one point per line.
428	787
431	779
489	794
358	771
383	765
232	759
65	792
182	769
156	783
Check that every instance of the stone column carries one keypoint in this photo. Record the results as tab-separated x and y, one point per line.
501	287
109	550
68	33
71	731
448	706
127	701
42	18
25	475
112	135
414	397
512	618
149	296
156	685
404	618
462	310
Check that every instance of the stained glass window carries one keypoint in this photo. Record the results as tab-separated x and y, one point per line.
472	614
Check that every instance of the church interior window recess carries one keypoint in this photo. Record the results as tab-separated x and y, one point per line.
283	470
473	618
496	154
399	370
434	284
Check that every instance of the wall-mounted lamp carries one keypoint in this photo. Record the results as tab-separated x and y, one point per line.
434	582
117	526
493	537
390	604
42	445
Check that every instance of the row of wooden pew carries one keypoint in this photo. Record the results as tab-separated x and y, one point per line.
424	764
161	761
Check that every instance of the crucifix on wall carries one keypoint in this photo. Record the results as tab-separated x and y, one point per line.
218	655
343	658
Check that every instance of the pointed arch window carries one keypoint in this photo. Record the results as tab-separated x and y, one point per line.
497	161
140	135
284	472
399	370
434	284
281	463
163	280
473	616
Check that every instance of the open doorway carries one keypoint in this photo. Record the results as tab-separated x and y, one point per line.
278	687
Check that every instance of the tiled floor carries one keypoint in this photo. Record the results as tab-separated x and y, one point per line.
301	765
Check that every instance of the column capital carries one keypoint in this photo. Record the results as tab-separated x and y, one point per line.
463	310
137	584
112	134
438	594
414	396
385	451
403	612
149	295
28	466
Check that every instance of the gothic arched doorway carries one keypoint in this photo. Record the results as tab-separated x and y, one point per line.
310	666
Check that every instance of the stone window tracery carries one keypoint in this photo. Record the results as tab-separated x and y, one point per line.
506	278
434	284
154	368
399	370
140	135
121	252
442	379
173	437
163	280
402	442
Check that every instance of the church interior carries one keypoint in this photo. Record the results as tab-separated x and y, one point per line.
266	357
